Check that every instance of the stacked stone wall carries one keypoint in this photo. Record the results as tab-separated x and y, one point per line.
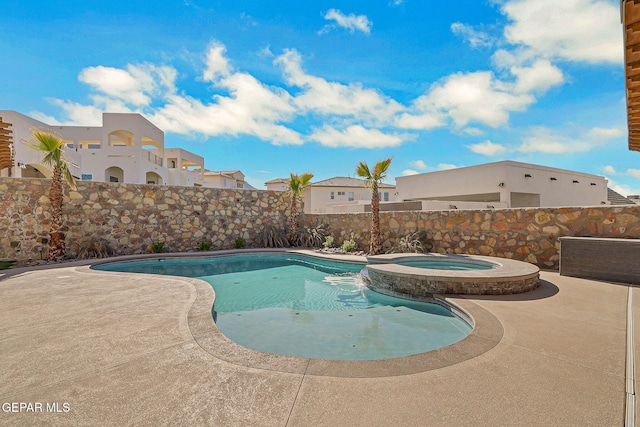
132	217
530	235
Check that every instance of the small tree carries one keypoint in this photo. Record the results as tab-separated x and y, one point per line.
52	148
296	186
373	178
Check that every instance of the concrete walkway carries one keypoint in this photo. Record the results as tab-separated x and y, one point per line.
116	349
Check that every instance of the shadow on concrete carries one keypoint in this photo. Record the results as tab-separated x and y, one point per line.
545	290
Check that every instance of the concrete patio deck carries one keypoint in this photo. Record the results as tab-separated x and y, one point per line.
118	349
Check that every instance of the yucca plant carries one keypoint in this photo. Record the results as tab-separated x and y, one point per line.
53	149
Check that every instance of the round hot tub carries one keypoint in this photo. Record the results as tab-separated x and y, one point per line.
423	275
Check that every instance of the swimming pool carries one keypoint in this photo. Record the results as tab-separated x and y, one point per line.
297	305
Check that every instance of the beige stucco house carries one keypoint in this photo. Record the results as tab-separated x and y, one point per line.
505	184
126	148
342	194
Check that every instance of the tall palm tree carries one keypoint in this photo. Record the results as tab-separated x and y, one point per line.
373	178
296	186
52	148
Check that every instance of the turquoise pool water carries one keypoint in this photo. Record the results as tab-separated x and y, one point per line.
449	264
303	306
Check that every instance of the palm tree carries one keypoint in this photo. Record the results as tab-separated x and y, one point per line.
52	148
373	179
296	186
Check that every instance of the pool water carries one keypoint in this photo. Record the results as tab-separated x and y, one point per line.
302	306
449	264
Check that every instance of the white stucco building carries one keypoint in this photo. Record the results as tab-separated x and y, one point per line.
342	194
126	148
225	179
505	184
278	184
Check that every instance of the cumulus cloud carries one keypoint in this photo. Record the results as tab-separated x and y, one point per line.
419	164
447	166
332	98
539	77
473	97
488	148
216	64
474	37
349	22
606	133
634	173
574	30
357	136
408	172
134	85
609	170
544	140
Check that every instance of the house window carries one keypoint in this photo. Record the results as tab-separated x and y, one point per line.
113	179
239	184
224	182
351	198
340	193
333	196
386	196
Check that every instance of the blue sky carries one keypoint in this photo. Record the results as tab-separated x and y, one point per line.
273	87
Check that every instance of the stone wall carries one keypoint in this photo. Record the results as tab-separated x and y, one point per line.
530	235
132	217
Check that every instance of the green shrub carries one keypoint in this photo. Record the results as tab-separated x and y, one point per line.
329	242
239	243
204	245
157	247
349	245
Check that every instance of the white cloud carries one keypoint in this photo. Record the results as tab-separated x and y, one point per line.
408	172
216	64
470	35
135	85
350	22
396	2
539	77
606	133
357	136
488	148
447	166
419	164
634	173
609	170
332	98
574	30
473	97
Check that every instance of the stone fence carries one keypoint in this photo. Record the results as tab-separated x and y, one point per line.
530	235
132	217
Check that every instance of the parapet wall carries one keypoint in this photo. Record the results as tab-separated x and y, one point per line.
531	235
133	216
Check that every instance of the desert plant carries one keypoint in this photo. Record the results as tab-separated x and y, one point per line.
95	247
296	187
157	247
416	242
239	243
53	149
204	245
271	237
311	237
329	242
349	245
373	177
